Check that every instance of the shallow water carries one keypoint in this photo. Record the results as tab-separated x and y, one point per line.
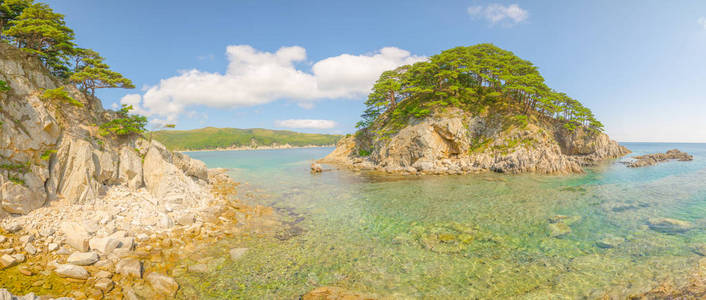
474	236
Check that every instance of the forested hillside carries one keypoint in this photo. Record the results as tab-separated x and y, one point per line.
221	138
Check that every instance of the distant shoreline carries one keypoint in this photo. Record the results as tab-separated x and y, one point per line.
244	148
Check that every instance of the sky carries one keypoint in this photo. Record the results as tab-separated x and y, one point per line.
308	65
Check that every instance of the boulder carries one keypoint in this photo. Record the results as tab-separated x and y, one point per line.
162	284
71	271
104	245
76	236
19	199
82	258
191	167
7	261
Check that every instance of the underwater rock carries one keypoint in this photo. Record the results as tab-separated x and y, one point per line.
558	229
237	253
331	292
610	242
568	220
669	226
444	238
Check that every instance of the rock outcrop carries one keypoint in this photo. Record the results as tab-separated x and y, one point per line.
453	141
653	159
52	151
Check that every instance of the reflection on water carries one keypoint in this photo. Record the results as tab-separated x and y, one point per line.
475	236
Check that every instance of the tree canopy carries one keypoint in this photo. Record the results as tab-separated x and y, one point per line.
472	78
36	29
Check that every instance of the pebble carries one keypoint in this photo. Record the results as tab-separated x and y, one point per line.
3	238
104	284
31	250
7	261
52	247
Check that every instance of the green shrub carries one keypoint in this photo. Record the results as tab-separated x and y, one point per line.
4	87
363	152
16	180
125	124
47	154
60	95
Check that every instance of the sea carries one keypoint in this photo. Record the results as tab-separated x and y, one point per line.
479	236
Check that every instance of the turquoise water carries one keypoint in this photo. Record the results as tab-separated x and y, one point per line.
440	237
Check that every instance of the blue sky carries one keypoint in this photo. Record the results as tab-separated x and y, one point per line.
639	65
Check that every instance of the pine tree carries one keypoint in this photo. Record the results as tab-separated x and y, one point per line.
92	73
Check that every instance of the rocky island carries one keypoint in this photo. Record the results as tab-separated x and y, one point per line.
473	109
655	158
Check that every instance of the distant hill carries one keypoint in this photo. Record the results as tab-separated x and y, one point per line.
223	138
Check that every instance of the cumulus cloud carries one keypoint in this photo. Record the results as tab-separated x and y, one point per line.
498	13
303	123
257	77
702	22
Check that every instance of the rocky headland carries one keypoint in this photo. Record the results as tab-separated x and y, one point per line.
655	158
90	215
453	141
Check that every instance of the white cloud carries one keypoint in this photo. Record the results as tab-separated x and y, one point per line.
498	13
702	22
315	124
256	77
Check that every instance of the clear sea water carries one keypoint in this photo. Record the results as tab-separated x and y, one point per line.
480	236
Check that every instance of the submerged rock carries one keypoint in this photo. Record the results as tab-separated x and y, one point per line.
558	229
237	253
82	258
610	242
162	284
330	292
669	226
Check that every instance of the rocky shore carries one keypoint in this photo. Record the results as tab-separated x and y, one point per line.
90	216
456	142
653	159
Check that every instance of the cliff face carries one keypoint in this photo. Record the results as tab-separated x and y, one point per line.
453	141
52	151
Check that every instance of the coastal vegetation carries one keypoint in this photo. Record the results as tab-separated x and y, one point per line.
222	138
37	30
477	79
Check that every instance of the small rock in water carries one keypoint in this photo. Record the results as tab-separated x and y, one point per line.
558	229
669	226
104	284
162	283
3	238
104	245
198	268
129	266
316	168
700	249
52	246
237	253
610	242
82	258
26	239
